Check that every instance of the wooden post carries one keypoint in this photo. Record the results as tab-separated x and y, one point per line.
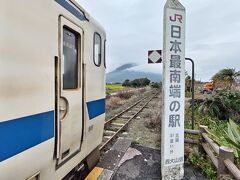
224	153
202	129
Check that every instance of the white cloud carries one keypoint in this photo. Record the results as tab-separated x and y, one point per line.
133	27
154	68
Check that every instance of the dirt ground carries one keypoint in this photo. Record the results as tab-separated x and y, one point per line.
145	131
145	128
124	104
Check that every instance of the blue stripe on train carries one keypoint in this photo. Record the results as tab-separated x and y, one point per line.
96	108
71	9
21	134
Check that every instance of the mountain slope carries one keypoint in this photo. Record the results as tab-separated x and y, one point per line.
127	71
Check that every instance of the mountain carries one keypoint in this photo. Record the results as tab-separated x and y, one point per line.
125	67
129	71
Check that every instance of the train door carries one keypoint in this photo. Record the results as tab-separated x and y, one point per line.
69	100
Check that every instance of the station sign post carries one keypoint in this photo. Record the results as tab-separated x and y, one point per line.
172	139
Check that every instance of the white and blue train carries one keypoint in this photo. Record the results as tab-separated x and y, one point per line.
52	89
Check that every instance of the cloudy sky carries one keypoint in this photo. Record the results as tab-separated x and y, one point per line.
135	26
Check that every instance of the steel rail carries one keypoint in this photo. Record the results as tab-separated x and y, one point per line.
125	124
119	114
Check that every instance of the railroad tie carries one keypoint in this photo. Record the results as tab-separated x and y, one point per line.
138	107
109	133
134	112
117	124
126	117
114	128
105	138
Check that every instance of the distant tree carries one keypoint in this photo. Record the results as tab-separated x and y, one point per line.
126	83
142	82
226	77
156	85
134	83
145	81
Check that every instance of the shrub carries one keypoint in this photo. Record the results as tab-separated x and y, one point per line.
143	90
228	136
153	120
155	85
223	105
112	102
206	166
125	94
226	78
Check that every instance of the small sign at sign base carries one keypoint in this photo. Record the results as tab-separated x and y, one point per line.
154	56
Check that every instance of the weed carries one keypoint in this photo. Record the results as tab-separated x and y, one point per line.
206	166
125	95
153	116
113	102
223	105
135	142
142	90
153	120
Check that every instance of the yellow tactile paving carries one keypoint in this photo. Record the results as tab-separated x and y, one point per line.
94	174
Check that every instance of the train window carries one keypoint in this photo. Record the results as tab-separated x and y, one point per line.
104	54
97	49
70	54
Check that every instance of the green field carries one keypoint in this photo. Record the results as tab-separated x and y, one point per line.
114	86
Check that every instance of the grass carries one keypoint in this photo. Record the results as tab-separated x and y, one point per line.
114	86
215	125
199	161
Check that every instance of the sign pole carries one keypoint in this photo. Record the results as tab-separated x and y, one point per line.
172	147
193	83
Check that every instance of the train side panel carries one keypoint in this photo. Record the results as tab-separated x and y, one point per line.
29	37
28	45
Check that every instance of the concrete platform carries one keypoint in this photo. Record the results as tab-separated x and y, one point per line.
125	161
143	163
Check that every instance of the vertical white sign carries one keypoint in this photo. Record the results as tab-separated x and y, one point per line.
173	91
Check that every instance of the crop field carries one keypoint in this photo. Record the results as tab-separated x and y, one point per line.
114	86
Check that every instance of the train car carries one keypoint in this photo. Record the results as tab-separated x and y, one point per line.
52	89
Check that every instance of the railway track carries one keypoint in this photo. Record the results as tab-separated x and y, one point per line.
116	124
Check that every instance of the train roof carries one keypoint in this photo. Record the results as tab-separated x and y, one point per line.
86	15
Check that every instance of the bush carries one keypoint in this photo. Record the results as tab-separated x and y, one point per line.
112	102
206	166
223	105
210	112
228	136
155	85
153	119
125	95
231	101
224	133
143	90
226	78
200	119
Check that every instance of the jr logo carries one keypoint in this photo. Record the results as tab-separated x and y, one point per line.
176	17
